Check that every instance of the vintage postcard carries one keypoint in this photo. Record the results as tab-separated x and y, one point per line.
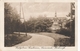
38	24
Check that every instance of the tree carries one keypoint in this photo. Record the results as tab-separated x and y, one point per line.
40	24
12	22
72	25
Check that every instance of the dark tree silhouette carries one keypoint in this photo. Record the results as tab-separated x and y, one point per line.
12	21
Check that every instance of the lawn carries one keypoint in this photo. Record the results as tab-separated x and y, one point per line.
13	39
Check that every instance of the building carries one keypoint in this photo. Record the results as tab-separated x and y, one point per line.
58	22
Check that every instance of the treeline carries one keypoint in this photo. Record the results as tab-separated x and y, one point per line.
71	26
40	24
13	23
11	19
69	29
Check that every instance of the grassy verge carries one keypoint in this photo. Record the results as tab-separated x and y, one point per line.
12	40
63	42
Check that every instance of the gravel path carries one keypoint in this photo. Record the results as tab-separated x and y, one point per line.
38	40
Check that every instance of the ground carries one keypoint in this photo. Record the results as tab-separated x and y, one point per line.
38	40
43	39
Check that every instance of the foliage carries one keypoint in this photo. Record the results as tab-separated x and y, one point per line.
72	24
12	39
63	42
40	24
70	31
12	22
63	32
70	28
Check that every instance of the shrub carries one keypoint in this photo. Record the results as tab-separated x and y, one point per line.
64	32
40	24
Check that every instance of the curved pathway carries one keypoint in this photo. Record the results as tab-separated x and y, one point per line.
38	40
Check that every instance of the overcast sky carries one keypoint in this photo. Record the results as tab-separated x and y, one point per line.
48	9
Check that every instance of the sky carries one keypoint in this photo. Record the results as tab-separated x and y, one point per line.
35	9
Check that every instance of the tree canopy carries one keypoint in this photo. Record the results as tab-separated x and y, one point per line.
11	18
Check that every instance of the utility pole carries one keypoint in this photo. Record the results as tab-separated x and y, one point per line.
24	21
20	16
23	17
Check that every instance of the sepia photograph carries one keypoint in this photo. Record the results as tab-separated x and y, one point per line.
39	24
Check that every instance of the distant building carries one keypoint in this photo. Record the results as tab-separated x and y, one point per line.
58	22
